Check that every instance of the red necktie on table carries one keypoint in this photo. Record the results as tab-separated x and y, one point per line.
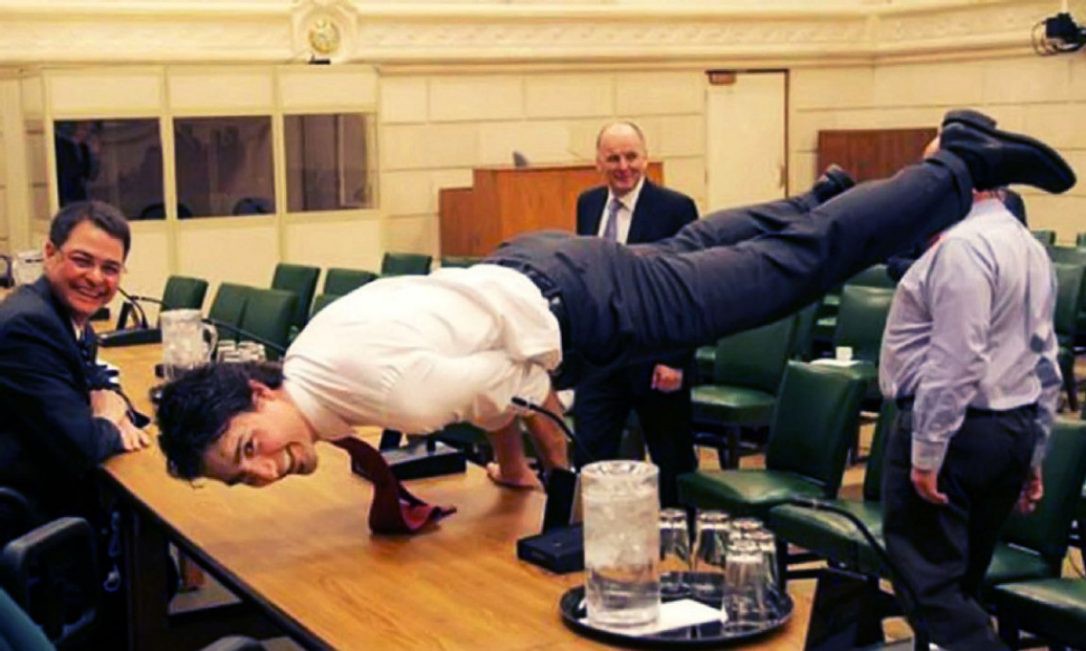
394	509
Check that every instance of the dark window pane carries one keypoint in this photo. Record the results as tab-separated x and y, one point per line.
116	161
224	166
331	161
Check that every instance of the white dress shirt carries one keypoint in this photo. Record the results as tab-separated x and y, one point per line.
971	326
417	353
625	213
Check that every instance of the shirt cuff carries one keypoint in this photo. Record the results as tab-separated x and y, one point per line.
1039	453
928	455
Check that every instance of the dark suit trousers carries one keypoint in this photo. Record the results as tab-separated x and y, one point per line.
728	272
601	410
943	552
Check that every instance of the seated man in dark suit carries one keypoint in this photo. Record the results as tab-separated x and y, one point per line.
58	418
631	209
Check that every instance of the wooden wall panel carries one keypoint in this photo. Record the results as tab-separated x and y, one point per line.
505	201
872	153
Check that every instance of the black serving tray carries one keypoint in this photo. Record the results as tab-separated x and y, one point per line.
702	636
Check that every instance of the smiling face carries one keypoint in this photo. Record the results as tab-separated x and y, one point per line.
85	270
265	445
621	157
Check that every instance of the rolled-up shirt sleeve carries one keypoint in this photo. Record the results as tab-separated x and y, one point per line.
960	300
435	390
1048	372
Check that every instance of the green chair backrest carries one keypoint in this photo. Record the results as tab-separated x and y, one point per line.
1046	237
17	630
814	421
228	307
1067	254
755	358
873	276
1047	529
321	301
805	327
404	264
340	282
268	316
300	279
1069	297
182	292
1080	240
861	318
461	261
872	490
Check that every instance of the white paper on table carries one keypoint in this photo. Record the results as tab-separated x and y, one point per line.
840	363
673	614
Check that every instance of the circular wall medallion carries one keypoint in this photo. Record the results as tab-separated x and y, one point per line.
323	36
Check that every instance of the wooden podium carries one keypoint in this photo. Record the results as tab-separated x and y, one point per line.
507	201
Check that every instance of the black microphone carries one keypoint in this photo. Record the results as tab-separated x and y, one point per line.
134	302
531	406
233	329
895	574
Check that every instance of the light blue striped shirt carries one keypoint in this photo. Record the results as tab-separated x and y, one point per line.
971	325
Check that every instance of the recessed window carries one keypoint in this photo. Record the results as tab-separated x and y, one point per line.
224	166
116	161
331	161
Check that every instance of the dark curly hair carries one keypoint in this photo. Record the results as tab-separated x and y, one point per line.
196	408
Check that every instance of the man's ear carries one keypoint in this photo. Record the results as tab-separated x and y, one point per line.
261	391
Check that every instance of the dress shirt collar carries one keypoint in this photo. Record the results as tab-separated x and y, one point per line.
987	207
328	424
628	200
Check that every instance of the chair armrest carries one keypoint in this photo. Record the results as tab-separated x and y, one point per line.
45	568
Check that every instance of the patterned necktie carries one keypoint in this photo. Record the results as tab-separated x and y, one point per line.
394	509
610	230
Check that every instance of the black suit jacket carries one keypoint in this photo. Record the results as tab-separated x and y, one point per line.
659	214
49	438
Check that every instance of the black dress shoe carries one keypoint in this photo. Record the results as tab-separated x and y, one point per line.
969	116
996	158
833	182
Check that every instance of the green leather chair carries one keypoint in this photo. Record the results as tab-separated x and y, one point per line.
404	264
1080	240
228	306
459	261
747	371
873	276
1072	255
829	535
268	314
1031	546
183	292
1054	609
340	282
803	341
300	279
321	301
1046	237
815	418
861	319
1071	282
704	362
17	630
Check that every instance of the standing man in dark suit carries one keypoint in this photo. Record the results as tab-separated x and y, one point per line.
631	209
58	419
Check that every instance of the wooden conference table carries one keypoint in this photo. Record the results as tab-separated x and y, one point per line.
300	553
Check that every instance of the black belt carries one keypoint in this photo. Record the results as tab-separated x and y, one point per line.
550	291
906	404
